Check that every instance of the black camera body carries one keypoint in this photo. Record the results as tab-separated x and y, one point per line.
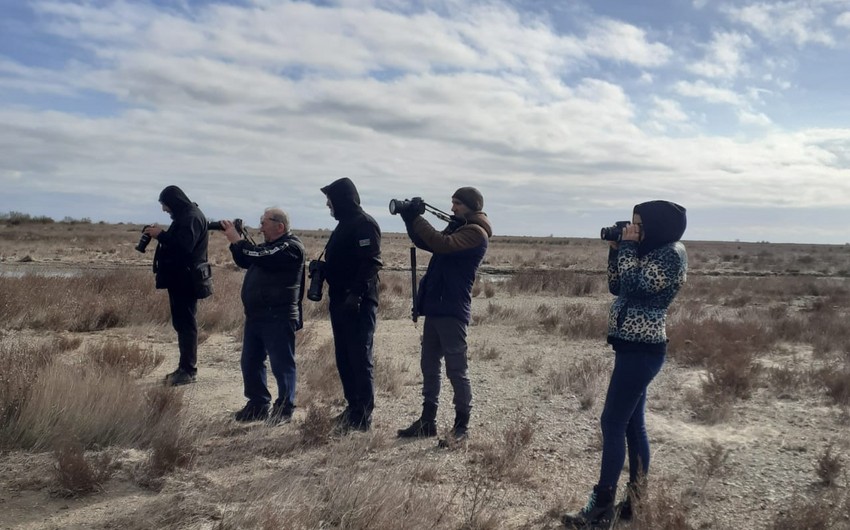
216	225
416	206
614	233
316	272
144	240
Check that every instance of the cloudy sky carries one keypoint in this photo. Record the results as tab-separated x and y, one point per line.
563	113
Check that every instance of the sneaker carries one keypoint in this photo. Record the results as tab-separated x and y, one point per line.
179	377
281	413
251	412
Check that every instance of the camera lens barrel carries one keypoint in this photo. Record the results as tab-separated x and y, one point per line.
143	241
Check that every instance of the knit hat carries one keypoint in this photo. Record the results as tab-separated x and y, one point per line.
471	197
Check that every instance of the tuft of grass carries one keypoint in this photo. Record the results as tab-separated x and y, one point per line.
502	457
77	475
661	508
129	358
317	427
585	378
829	467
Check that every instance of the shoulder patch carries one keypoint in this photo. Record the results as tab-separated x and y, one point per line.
364	242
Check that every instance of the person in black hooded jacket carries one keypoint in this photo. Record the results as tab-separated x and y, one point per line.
352	262
646	269
179	264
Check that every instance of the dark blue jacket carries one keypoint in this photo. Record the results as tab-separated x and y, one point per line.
446	288
184	245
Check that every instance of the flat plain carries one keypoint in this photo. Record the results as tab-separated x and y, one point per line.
748	419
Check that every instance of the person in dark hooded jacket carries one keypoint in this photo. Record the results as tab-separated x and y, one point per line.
445	300
352	262
646	269
180	265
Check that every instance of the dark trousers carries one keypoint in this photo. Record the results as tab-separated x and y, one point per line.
623	416
445	337
353	337
274	338
184	308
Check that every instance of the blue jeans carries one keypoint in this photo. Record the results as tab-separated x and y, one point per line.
623	416
274	337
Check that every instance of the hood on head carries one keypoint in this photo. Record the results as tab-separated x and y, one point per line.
343	196
481	219
663	222
175	199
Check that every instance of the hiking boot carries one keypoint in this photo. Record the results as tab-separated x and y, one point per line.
281	413
460	431
425	426
179	377
597	513
252	412
625	509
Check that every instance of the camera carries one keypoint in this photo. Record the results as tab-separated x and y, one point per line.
614	233
416	206
316	271
144	240
216	225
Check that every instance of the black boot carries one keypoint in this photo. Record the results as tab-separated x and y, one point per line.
460	430
597	513
425	426
625	509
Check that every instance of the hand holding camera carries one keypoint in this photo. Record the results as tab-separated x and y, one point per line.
407	209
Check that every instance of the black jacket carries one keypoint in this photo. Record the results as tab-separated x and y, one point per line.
183	246
353	253
274	281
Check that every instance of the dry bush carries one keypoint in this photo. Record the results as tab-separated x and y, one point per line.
786	381
21	360
554	282
501	457
390	376
693	342
585	378
709	409
77	475
489	290
531	364
487	352
829	467
661	508
126	357
734	375
317	427
826	510
836	380
711	461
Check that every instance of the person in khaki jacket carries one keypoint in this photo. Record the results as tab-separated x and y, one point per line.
445	300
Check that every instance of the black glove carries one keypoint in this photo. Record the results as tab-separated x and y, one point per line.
408	215
352	302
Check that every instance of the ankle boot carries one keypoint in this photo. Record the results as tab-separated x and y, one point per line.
625	509
460	431
597	513
425	426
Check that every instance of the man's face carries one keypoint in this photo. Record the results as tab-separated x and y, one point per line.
459	209
270	228
330	206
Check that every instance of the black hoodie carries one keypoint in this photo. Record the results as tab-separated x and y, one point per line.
353	253
663	222
184	245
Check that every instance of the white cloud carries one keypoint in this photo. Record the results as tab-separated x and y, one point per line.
724	56
707	92
800	21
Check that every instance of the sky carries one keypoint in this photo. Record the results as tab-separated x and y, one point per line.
565	114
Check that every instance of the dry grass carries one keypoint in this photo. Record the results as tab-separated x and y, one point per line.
77	475
504	456
585	378
134	359
829	467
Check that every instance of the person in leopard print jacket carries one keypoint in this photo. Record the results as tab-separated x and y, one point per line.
646	269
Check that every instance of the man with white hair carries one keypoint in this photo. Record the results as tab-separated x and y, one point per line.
271	294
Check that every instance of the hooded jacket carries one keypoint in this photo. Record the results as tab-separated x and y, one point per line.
183	246
457	252
353	252
646	276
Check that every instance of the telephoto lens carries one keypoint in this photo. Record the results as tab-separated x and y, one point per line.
144	240
613	233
